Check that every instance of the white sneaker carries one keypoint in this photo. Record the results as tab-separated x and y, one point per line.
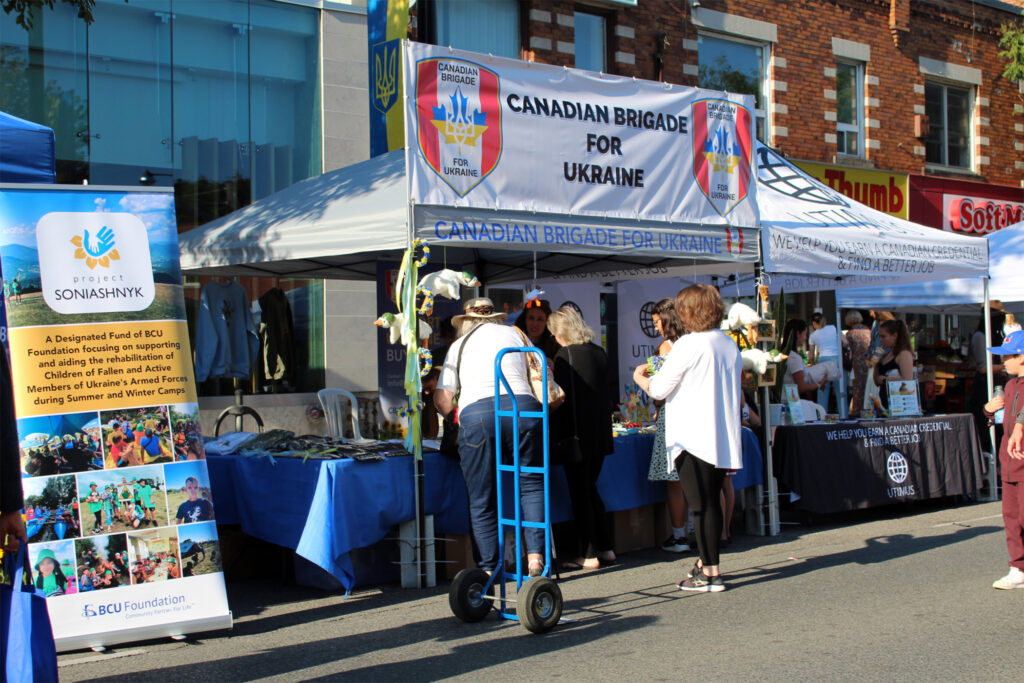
1015	579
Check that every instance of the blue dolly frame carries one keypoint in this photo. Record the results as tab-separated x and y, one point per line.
538	601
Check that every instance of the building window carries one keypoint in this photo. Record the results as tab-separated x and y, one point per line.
591	41
949	125
850	108
737	67
486	26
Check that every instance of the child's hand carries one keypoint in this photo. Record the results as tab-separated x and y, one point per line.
995	404
1014	444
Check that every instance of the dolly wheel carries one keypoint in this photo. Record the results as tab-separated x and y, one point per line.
539	604
465	597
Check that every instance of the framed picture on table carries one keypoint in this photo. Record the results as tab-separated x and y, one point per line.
904	397
791	398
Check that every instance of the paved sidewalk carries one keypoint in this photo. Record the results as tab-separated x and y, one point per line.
905	598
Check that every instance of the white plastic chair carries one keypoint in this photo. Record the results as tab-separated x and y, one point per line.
331	401
812	410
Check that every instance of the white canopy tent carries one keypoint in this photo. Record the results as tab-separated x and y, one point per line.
1006	283
532	224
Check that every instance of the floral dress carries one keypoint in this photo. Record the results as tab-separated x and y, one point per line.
859	337
659	470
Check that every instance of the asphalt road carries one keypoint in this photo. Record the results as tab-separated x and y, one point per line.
871	598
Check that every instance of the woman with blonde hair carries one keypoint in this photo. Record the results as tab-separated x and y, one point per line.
581	369
700	381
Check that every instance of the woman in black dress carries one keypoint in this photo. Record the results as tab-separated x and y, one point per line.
581	369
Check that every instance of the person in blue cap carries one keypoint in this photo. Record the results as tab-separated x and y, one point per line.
1011	459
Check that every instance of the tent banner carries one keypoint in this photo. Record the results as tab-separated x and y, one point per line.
108	416
808	228
503	134
583	234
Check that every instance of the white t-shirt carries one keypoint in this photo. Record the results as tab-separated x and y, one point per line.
477	372
826	340
794	364
700	382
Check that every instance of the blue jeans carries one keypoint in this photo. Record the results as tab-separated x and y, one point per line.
833	385
476	453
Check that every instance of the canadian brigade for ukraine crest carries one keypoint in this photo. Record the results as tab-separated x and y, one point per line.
458	116
722	149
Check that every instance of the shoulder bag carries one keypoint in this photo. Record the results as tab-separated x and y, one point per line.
450	438
535	369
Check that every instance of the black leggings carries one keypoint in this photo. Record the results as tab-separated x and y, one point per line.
702	486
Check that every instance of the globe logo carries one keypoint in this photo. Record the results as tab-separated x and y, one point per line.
646	321
897	468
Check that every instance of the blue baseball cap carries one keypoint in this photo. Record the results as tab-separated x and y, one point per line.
1012	345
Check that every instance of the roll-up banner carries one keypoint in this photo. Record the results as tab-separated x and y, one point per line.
120	517
630	161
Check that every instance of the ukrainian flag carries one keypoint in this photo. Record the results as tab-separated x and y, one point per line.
387	23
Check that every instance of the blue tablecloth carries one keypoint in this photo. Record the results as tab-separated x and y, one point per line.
326	508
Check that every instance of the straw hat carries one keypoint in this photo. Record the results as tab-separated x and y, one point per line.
480	308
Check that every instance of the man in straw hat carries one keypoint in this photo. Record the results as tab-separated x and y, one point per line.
465	393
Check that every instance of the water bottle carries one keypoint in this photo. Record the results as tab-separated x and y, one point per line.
998	417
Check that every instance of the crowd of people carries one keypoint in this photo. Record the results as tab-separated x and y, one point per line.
99	571
130	503
156	567
137	439
77	452
699	384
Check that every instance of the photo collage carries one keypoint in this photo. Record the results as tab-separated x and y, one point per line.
117	498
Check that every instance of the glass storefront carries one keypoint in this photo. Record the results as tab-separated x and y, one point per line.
219	100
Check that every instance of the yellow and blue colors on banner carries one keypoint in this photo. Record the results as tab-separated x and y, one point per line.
387	23
117	497
504	135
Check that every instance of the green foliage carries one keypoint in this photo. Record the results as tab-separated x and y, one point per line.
1012	44
24	10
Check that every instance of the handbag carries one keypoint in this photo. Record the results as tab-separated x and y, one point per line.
26	639
568	451
847	358
535	369
450	438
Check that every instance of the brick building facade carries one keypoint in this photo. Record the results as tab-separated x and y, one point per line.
908	65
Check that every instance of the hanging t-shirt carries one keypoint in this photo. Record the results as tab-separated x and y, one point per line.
226	340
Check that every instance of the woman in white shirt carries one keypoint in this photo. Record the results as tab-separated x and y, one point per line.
794	336
825	342
700	383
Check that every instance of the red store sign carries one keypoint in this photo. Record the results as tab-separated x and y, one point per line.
977	215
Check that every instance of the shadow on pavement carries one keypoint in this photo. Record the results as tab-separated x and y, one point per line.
461	659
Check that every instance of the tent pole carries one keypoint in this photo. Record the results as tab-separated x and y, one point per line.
990	475
844	401
766	424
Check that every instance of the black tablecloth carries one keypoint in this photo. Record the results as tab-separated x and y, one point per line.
844	466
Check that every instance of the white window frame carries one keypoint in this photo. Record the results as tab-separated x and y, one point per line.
950	75
858	99
972	95
762	124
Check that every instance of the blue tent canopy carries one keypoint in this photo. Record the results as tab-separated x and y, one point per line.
27	151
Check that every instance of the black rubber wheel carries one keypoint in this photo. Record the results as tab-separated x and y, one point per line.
539	605
465	596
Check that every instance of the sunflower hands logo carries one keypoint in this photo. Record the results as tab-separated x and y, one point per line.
99	251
